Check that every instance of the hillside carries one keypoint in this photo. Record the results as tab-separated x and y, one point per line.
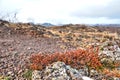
18	41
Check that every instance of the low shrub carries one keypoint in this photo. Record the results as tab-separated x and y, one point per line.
113	73
77	59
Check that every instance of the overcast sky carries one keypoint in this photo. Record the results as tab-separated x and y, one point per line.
64	11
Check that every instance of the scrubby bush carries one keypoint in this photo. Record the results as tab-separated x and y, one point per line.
108	63
114	72
77	59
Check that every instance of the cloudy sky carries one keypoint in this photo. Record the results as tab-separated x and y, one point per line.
64	11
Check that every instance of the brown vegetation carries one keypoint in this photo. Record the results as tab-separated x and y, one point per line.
114	73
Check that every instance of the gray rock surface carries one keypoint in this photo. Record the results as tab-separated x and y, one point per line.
111	50
57	71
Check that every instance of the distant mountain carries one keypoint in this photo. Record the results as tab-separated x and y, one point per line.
107	25
47	24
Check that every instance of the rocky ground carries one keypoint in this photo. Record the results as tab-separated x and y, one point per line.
19	41
15	51
57	71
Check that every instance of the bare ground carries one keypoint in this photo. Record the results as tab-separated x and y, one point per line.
15	51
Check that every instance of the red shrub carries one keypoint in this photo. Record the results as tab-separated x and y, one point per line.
77	59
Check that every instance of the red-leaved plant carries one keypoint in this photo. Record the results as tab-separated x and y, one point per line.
77	59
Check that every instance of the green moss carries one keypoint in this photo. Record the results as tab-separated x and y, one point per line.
28	75
4	78
7	78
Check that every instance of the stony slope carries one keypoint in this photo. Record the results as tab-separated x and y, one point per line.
19	40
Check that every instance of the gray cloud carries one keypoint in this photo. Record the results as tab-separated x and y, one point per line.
64	11
111	11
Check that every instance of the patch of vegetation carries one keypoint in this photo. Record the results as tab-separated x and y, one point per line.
108	63
77	59
4	78
7	78
28	75
114	72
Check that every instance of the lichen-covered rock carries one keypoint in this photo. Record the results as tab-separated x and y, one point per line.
111	50
57	71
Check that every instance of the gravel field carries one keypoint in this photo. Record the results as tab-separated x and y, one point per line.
16	50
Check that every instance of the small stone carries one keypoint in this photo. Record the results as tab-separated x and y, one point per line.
20	71
29	48
11	73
